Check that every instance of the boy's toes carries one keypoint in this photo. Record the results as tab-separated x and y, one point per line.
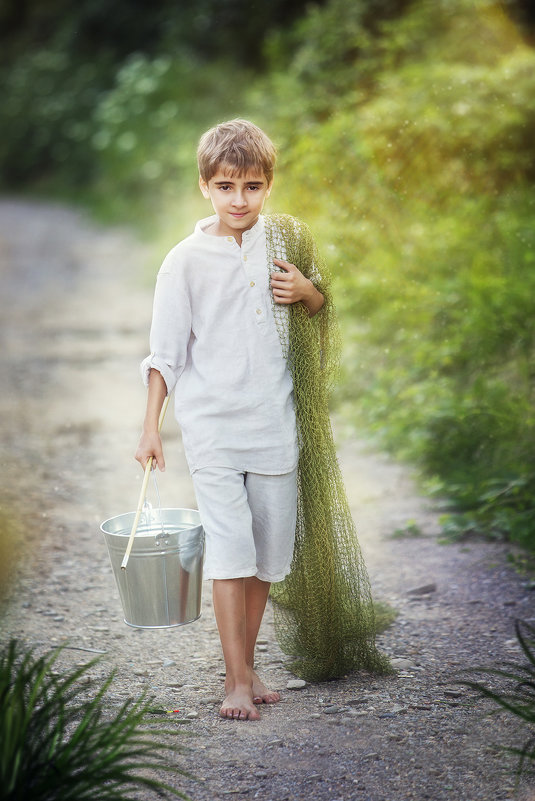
239	714
269	697
261	693
239	706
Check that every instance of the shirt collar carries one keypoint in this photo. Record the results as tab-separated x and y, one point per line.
249	237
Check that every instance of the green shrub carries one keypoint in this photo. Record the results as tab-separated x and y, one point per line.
45	116
59	740
415	166
517	697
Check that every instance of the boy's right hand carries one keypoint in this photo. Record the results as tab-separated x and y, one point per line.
149	445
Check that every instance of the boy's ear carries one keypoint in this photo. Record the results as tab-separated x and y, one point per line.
269	188
203	186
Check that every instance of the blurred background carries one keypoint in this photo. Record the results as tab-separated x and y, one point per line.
406	133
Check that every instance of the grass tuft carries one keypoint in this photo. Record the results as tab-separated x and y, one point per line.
518	696
60	741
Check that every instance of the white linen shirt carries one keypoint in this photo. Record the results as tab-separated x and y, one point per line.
214	338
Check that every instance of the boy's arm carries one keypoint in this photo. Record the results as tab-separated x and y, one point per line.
291	286
150	443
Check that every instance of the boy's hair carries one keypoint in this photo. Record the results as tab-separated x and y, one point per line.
238	146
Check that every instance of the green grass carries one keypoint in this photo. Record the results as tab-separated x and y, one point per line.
518	696
61	740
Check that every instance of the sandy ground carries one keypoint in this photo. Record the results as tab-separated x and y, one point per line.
75	316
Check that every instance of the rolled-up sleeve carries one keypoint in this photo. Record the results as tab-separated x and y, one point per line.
170	330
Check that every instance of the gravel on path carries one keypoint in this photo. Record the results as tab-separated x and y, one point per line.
75	316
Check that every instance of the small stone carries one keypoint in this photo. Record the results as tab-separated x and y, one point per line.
210	700
401	663
315	715
168	663
331	710
261	647
453	694
397	708
296	684
424	589
192	715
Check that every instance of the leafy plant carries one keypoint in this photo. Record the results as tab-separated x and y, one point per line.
519	700
411	530
60	743
501	508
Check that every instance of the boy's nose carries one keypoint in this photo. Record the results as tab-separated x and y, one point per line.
239	201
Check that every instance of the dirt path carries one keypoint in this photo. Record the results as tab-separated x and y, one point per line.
75	317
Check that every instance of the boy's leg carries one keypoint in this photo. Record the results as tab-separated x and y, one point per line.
256	595
272	500
239	603
230	611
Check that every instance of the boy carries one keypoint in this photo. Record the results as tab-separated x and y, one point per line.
216	336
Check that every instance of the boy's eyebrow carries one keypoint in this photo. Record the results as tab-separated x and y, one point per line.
230	181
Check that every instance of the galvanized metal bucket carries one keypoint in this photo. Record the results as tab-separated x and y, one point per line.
163	584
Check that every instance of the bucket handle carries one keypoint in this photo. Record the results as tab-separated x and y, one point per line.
143	492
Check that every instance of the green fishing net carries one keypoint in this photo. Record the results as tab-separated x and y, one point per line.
324	616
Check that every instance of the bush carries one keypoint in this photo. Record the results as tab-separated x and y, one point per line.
518	696
45	118
416	169
59	741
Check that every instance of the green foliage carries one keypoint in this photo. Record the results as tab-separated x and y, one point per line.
65	68
58	740
518	697
499	507
146	128
410	531
45	118
415	165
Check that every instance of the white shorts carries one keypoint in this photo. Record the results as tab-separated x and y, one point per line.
249	522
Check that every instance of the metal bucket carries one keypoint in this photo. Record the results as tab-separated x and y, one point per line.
162	585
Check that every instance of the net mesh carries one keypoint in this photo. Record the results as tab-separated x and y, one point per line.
324	616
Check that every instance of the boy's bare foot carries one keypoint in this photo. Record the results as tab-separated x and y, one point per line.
239	705
261	694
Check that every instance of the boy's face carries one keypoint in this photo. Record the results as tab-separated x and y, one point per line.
237	200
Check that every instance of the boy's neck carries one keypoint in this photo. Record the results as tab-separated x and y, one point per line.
218	228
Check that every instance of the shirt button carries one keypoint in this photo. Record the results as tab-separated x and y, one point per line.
245	258
259	311
252	283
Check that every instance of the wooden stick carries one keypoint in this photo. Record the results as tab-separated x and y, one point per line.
143	492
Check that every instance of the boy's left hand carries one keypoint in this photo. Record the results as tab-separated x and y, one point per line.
291	286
